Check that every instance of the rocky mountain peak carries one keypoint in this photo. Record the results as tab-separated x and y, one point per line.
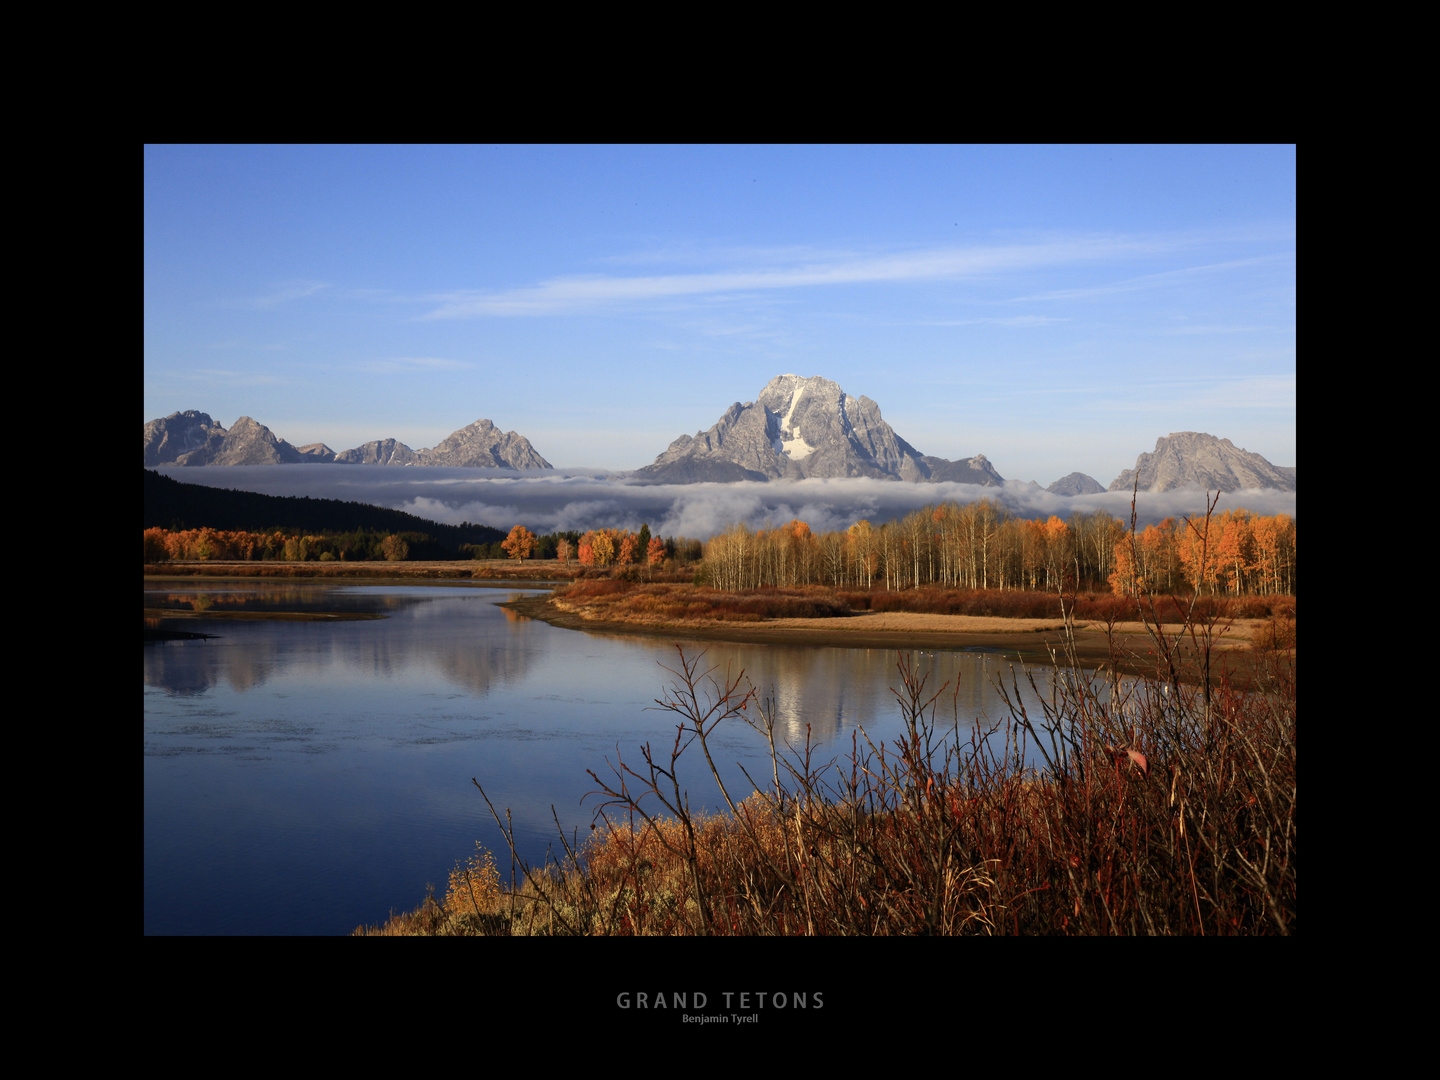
803	426
482	444
181	435
1195	459
249	442
1076	483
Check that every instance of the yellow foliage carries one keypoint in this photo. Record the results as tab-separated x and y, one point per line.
474	884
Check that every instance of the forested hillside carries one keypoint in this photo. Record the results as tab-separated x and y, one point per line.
172	505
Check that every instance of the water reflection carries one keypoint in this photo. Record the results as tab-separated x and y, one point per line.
417	632
304	777
257	597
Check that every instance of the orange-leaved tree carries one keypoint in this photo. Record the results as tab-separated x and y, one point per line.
519	544
629	548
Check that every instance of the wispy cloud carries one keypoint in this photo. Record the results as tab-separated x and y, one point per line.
222	377
1015	320
1161	280
1213	329
1190	394
581	293
410	365
1252	392
288	291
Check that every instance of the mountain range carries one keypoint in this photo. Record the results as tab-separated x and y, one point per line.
798	427
193	438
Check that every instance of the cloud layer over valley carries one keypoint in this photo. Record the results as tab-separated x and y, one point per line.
564	499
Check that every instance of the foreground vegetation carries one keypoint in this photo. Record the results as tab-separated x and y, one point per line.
1161	808
1157	813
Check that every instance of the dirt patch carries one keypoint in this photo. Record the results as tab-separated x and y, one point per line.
910	622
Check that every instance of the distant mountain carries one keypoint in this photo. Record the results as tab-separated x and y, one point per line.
805	427
1077	483
483	444
1193	459
251	443
192	438
182	438
379	452
970	470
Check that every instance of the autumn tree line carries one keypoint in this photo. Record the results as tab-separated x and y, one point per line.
597	547
979	545
983	545
205	544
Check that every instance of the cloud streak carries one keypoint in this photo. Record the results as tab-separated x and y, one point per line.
412	365
1164	279
575	294
230	377
288	291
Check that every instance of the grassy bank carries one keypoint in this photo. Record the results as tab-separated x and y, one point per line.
1093	629
638	601
1162	809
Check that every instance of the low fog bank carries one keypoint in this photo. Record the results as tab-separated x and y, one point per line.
547	501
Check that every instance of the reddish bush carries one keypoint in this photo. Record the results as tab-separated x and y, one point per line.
590	588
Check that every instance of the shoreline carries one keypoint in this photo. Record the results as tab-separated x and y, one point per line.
458	570
1134	652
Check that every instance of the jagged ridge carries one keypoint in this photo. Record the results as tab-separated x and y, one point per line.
193	438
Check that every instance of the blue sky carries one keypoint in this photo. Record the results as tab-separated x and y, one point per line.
1055	308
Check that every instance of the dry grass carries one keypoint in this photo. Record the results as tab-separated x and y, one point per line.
1237	632
916	622
652	604
1160	810
688	606
911	611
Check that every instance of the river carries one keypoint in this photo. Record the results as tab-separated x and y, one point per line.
307	777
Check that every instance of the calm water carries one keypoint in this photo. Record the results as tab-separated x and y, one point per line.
308	777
